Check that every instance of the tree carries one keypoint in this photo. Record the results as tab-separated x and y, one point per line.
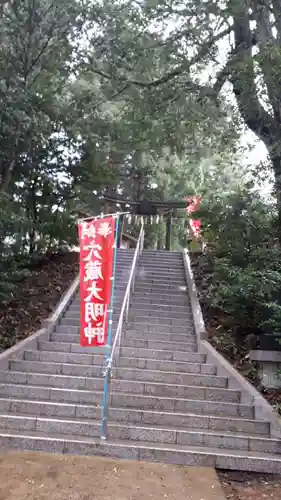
188	37
35	58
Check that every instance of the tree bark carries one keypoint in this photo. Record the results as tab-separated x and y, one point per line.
5	181
265	125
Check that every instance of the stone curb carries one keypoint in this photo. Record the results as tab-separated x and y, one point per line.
48	326
263	410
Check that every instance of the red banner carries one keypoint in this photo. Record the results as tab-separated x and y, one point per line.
193	205
96	267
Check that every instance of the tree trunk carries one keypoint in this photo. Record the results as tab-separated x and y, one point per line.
5	181
276	164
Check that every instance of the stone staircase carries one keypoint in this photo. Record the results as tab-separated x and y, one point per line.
167	403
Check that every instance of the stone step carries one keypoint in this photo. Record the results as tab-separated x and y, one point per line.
50	425
184	356
166	295
155	288
56	394
90	360
136	416
128	355
170	366
173	355
121	373
173	337
156	255
131	334
202	412
158	328
165	453
164	377
158	318
180	299
198	400
137	302
64	357
138	343
53	368
218	439
162	308
152	325
166	284
189	420
156	264
175	392
161	274
140	432
75	329
140	387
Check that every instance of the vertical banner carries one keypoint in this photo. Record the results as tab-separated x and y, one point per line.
96	238
193	205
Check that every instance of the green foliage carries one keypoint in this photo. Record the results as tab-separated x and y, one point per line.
243	259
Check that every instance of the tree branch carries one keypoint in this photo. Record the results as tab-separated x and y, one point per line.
182	68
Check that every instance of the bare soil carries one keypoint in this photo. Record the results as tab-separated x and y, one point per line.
250	486
40	476
36	297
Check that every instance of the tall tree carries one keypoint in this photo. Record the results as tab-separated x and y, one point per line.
202	46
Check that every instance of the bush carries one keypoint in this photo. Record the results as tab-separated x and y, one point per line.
243	257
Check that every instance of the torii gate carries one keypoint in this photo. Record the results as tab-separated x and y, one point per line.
168	209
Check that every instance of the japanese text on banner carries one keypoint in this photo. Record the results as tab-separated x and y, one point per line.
96	267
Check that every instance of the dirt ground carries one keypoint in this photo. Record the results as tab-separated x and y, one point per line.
35	297
40	476
250	486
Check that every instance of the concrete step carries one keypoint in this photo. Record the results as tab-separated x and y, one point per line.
53	368
162	337
158	318
140	432
75	328
138	343
173	337
162	308
184	356
158	328
136	416
122	373
57	394
128	354
160	274
165	453
90	360
64	357
140	387
165	295
164	377
157	288
160	256
203	401
170	366
193	437
179	299
189	420
152	325
160	264
165	283
50	425
202	412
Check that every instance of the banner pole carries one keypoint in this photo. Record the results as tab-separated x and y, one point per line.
107	371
